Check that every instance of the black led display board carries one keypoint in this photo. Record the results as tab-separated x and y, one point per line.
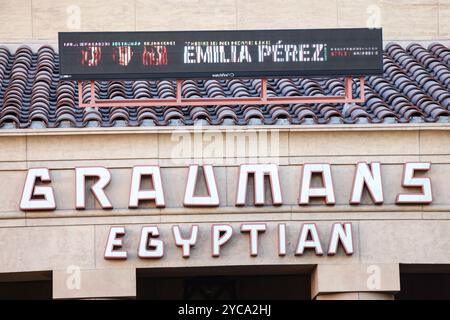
220	54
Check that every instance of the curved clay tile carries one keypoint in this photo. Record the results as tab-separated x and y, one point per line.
190	90
214	89
335	87
241	92
40	93
385	113
146	113
91	114
10	118
63	101
24	50
4	51
65	110
213	85
116	89
118	114
65	117
141	90
152	110
65	87
65	95
39	114
250	112
198	113
381	111
390	93
46	49
358	112
9	109
378	107
433	109
302	112
277	112
41	104
86	92
414	68
408	113
441	52
327	111
172	111
165	89
226	113
287	88
44	76
446	103
173	114
117	95
14	92
19	79
215	93
237	88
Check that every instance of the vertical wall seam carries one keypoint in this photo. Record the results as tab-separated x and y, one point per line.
337	13
236	14
94	245
31	19
438	18
420	159
359	242
27	167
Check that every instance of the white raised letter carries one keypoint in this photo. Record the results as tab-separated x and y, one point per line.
341	232
212	200
185	244
30	189
254	229
219	239
150	248
303	242
282	239
137	194
115	243
97	189
371	178
410	182
259	171
326	191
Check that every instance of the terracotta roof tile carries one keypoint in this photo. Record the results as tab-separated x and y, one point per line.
415	87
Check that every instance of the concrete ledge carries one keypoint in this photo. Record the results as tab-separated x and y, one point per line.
356	296
199	129
75	283
354	279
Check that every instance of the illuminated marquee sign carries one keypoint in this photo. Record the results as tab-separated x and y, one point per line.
220	54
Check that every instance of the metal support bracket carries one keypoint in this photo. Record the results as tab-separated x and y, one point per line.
179	101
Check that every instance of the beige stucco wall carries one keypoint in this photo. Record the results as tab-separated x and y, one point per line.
36	21
385	236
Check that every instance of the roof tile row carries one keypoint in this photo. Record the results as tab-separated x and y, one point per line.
415	87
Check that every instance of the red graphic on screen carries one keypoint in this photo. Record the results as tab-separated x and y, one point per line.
91	56
122	55
154	56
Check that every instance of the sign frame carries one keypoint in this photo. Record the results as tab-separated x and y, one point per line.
236	70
